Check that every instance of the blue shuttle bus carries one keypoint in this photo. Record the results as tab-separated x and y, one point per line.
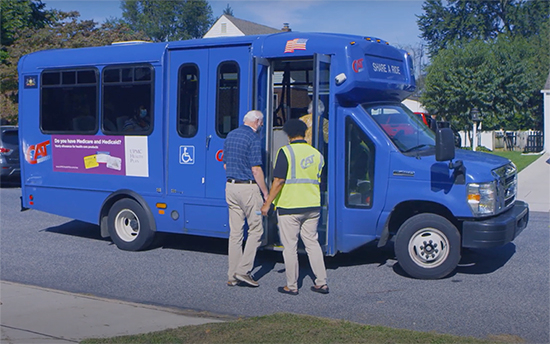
130	137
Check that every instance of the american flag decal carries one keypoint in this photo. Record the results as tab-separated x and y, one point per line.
295	44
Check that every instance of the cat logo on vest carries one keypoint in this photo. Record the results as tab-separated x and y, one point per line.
306	162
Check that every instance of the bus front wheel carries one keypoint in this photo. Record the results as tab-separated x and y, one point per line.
427	246
128	226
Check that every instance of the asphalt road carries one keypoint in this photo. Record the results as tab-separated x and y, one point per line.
501	291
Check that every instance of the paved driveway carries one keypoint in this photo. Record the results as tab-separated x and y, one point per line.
493	292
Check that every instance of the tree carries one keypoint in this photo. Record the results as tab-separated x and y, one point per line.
16	16
228	11
492	55
168	20
466	20
456	82
503	79
65	31
19	15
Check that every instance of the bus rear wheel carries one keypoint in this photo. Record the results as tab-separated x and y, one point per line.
427	246
128	226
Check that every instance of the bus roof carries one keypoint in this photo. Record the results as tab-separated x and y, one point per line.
137	51
373	68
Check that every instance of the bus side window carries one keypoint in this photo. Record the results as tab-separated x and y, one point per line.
128	100
188	100
68	101
227	98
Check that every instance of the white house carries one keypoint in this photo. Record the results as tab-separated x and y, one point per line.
414	105
546	117
228	25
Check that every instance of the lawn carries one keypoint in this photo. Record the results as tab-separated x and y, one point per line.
293	328
521	161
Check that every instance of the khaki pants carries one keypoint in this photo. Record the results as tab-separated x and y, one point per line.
291	227
243	200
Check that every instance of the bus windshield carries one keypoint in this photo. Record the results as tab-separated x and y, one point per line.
405	130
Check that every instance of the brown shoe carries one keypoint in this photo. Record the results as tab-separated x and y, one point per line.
247	279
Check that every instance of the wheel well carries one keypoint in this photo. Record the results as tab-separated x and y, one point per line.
406	210
112	199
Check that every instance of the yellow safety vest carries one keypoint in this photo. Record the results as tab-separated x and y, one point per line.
301	188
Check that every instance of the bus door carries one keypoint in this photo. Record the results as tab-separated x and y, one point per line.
358	208
188	109
230	98
208	94
293	84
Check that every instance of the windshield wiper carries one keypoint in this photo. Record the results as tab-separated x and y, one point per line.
417	147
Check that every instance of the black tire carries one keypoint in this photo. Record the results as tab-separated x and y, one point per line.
427	246
129	226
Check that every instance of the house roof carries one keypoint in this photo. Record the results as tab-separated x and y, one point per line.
250	28
547	84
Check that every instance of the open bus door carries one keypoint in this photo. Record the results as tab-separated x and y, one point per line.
290	85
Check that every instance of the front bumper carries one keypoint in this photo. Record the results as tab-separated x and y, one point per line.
498	230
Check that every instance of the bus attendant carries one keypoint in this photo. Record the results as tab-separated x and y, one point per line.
296	193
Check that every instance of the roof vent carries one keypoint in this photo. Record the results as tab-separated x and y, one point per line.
129	42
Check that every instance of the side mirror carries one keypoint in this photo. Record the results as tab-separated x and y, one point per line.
444	144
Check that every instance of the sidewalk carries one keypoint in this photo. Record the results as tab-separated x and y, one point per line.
30	315
534	184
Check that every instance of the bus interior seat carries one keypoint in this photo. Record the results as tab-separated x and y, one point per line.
109	125
280	139
188	130
120	122
83	123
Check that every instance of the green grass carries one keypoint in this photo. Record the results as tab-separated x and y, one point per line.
521	161
292	328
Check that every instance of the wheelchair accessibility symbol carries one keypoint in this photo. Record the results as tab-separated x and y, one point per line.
187	155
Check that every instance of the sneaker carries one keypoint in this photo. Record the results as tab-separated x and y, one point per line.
232	283
247	279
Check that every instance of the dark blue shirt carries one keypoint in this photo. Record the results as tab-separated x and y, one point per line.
241	151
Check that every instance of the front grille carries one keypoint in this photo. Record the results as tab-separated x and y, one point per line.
506	177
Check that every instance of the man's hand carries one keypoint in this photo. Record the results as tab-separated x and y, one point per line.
275	189
265	208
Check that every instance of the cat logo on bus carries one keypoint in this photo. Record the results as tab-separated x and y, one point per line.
37	153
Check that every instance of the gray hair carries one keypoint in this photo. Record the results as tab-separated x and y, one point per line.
320	107
253	115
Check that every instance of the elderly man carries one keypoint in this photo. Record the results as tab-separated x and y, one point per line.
242	160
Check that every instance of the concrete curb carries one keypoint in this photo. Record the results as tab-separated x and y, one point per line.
31	314
534	184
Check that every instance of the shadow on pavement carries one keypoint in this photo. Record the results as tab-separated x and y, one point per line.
476	261
485	261
78	229
473	261
10	183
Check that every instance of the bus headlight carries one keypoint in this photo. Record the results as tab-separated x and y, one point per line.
482	198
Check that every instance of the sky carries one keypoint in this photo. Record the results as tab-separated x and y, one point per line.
391	20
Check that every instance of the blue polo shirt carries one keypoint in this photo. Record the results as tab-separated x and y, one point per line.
241	151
